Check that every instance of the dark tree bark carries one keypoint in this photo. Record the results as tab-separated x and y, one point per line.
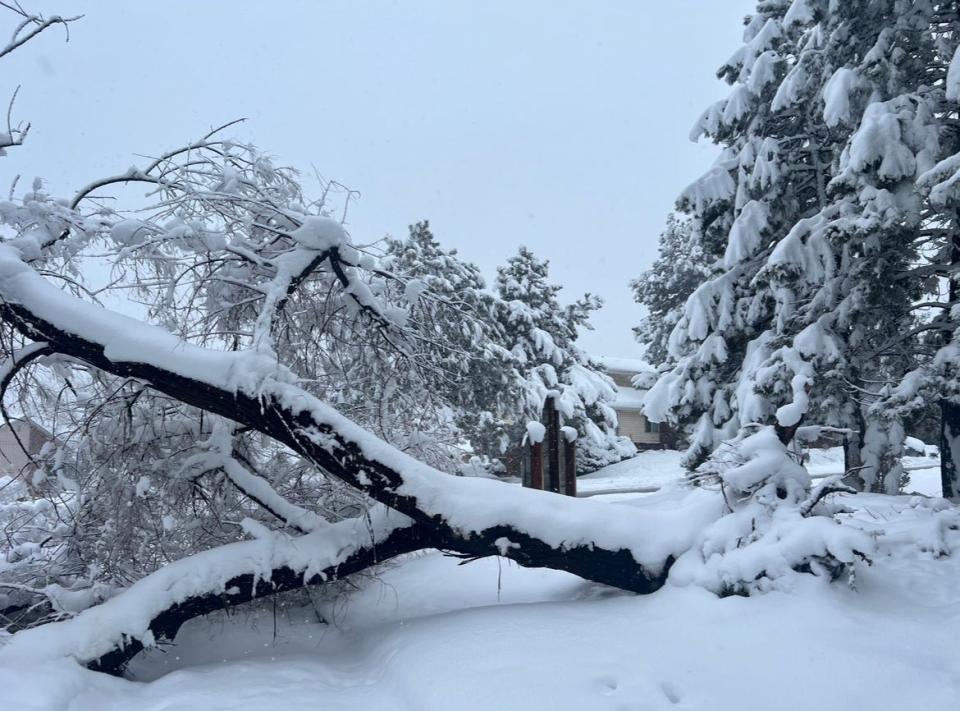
949	448
244	588
950	409
853	453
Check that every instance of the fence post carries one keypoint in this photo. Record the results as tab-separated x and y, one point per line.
536	465
551	418
569	466
551	464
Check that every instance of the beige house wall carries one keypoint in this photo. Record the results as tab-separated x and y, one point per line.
633	425
622	379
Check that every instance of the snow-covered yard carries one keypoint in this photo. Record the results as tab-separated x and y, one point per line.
432	634
651	469
250	431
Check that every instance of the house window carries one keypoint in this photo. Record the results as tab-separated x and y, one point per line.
651	427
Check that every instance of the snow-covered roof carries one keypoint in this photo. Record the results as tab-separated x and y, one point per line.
628	398
623	365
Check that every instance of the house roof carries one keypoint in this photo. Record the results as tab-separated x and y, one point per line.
616	364
628	398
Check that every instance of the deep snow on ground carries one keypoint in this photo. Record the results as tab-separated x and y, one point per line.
653	468
432	634
648	470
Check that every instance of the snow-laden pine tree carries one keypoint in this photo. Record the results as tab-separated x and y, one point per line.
812	214
772	171
503	352
934	339
482	388
663	289
541	334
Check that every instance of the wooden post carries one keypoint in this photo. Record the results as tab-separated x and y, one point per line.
562	465
569	467
551	465
551	418
536	465
524	458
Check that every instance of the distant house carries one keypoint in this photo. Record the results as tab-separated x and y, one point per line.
631	421
16	456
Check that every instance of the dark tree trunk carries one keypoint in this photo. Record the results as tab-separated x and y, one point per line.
852	462
244	588
950	409
853	454
949	448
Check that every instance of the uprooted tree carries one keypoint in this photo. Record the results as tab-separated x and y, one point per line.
273	411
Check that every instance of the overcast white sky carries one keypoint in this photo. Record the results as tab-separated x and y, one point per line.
558	125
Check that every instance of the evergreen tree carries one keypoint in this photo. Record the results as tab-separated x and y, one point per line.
488	391
509	349
812	215
663	289
934	339
541	336
770	174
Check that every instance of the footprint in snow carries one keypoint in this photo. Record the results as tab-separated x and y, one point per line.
671	692
608	685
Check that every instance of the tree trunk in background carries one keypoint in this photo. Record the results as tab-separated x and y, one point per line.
950	409
852	462
949	447
853	454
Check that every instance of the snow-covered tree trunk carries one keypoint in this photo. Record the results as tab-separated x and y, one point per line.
470	516
248	586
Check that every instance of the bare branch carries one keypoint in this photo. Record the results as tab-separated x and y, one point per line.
40	25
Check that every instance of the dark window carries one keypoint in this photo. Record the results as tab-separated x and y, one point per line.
649	426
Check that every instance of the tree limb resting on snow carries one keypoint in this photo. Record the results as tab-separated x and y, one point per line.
246	587
593	540
602	542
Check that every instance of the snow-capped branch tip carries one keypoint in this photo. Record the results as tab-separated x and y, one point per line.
32	25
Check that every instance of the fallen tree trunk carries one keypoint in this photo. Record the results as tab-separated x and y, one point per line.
596	541
246	587
344	452
107	636
602	542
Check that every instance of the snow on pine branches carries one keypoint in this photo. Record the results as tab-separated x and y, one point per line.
523	346
822	228
774	527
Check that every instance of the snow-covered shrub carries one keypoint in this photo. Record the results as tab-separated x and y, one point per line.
775	525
